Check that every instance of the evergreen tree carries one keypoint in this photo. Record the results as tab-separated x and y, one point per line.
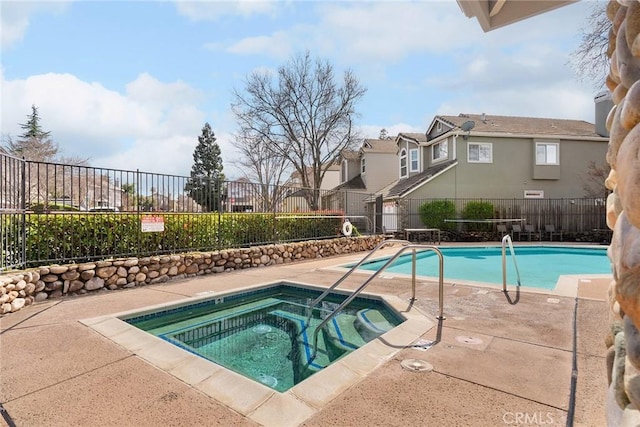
34	143
206	183
32	128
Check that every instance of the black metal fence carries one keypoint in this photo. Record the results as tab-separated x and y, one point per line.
12	212
53	213
577	216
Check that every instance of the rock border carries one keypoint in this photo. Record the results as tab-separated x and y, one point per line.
22	288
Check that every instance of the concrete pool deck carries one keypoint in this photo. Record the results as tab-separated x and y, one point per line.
495	363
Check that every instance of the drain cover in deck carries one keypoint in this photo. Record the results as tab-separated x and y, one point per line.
416	365
468	340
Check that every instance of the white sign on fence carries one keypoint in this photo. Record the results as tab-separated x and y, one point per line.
151	223
534	194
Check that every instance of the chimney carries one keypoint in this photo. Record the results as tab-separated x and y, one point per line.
483	117
604	104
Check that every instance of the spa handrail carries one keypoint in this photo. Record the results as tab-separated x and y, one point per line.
355	293
354	268
507	239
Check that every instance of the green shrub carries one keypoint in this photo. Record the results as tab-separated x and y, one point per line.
40	207
478	210
64	237
433	214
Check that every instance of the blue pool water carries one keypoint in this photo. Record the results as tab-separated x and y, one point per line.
262	333
539	266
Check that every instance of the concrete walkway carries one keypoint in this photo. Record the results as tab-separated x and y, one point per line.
495	363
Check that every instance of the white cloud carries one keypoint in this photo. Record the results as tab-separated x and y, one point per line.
153	126
15	16
393	30
551	102
373	131
366	31
390	31
203	10
277	45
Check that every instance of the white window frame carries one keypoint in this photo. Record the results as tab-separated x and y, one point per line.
412	152
479	160
403	159
363	165
439	127
546	154
443	143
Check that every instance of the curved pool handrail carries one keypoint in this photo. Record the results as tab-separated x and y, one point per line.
374	275
507	239
351	270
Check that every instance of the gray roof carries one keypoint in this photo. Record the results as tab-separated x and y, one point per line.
415	136
523	125
379	146
350	155
353	184
402	186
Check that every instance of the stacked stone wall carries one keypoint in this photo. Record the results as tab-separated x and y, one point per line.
21	288
623	213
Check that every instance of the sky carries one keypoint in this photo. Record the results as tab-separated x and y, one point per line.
130	84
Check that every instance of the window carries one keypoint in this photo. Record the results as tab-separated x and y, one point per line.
363	165
439	127
343	171
403	163
440	151
414	164
480	152
547	153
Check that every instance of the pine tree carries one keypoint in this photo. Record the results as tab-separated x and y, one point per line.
206	183
34	143
32	128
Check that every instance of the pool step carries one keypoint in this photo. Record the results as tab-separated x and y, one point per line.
341	333
371	323
305	344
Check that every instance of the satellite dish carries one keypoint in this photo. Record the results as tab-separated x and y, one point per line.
468	125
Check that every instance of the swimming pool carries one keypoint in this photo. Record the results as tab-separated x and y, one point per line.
539	266
263	334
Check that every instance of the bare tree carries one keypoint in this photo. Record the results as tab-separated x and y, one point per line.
263	166
590	61
305	116
593	183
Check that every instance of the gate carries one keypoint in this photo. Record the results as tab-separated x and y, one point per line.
378	215
12	212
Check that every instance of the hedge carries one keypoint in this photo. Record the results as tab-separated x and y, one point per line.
86	236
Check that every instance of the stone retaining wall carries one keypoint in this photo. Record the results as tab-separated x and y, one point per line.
22	288
623	214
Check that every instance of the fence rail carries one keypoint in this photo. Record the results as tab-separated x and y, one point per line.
53	213
575	215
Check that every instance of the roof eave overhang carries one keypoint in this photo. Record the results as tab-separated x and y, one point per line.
494	14
431	178
535	136
459	133
407	139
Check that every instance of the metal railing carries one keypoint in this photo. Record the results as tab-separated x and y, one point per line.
61	213
379	246
355	293
571	215
507	240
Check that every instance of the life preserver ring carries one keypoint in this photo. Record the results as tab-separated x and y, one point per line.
347	228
